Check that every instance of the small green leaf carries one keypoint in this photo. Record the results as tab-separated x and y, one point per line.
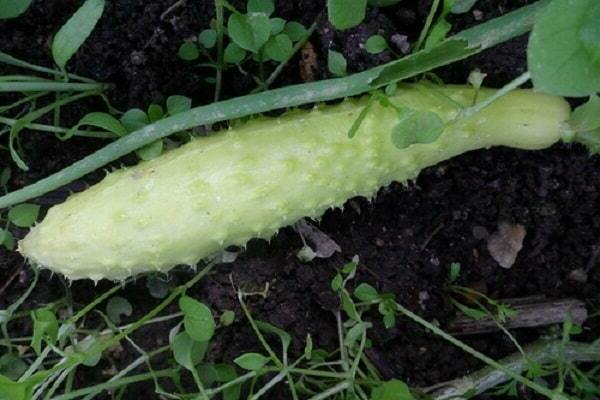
116	307
100	120
158	288
389	320
586	117
134	119
233	54
150	151
361	117
45	327
564	48
344	14
349	306
306	254
476	78
9	241
440	29
354	334
295	31
197	319
13	8
3	235
308	347
505	312
12	366
336	283
188	51
155	112
226	373
90	348
24	215
10	390
392	390
186	351
251	361
277	25
376	44
249	31
470	312
438	33
75	31
418	127
227	318
261	6
5	177
462	6
336	63
366	292
284	337
349	269
454	271
207	374
178	104
391	89
279	48
208	38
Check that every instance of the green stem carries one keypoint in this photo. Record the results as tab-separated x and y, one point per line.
10	60
258	333
219	72
90	306
130	368
165	373
23	100
155	311
539	352
58	129
199	384
340	387
509	87
237	381
271	78
51	87
479	38
469	350
434	6
343	353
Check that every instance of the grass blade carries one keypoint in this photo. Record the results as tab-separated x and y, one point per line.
75	31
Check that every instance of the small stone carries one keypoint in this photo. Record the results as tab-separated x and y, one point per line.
401	42
379	242
504	244
578	275
423	297
478	15
137	58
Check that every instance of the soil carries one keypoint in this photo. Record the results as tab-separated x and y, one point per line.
406	237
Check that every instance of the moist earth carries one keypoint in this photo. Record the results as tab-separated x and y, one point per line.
406	237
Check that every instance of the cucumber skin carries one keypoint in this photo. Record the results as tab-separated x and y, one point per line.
249	181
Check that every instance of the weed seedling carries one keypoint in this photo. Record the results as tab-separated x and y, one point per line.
255	35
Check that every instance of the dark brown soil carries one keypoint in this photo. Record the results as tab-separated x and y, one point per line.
406	237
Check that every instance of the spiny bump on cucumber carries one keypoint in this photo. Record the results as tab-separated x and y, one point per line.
251	180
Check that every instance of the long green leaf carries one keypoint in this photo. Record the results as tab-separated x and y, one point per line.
13	8
75	31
